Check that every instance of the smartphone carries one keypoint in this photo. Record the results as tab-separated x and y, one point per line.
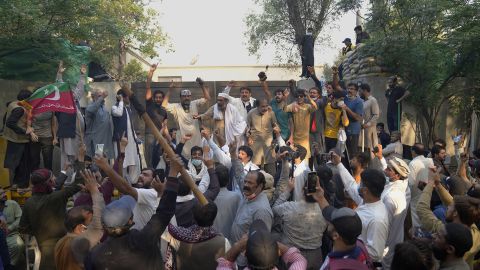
161	174
421	185
99	150
312	182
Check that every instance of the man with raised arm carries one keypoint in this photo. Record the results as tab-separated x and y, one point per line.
183	113
157	113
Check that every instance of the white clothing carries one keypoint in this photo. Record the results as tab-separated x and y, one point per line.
419	167
220	155
186	123
300	173
374	216
146	206
235	125
238	103
131	155
393	150
250	167
202	179
396	197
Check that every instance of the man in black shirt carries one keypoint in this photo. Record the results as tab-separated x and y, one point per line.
307	44
394	94
157	113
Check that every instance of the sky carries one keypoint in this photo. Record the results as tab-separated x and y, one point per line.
212	31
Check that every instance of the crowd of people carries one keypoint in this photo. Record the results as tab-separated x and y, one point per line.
300	179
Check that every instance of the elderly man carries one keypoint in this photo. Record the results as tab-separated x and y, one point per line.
183	113
98	125
261	122
228	120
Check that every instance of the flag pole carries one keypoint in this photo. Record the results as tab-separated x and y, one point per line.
166	147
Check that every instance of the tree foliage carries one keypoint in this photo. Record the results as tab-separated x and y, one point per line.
284	22
107	26
134	72
430	44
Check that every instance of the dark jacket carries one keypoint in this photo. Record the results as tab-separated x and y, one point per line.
184	214
137	249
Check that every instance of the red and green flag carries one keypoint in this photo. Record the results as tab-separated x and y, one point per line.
55	97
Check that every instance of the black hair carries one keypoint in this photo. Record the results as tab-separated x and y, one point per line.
302	152
362	158
260	178
156	92
195	149
460	237
23	94
299	92
468	209
316	89
436	150
75	216
365	87
245	88
122	93
441	142
150	169
172	129
204	215
374	180
418	149
223	175
247	150
324	173
354	85
338	94
358	27
408	256
279	91
382	125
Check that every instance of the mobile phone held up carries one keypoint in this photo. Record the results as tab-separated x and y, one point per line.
312	182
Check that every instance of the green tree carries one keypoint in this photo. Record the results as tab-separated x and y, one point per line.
134	72
284	22
431	45
109	27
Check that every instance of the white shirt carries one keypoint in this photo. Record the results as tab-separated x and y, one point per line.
219	155
396	197
300	174
186	123
146	206
419	168
238	103
374	216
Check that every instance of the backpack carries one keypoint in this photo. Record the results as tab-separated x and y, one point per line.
352	264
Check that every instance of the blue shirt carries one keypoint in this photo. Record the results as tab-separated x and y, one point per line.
282	118
356	105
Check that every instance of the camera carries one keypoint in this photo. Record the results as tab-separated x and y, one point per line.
262	76
199	81
375	149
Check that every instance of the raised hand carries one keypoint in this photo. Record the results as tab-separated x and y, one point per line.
186	138
176	166
102	163
90	181
158	185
